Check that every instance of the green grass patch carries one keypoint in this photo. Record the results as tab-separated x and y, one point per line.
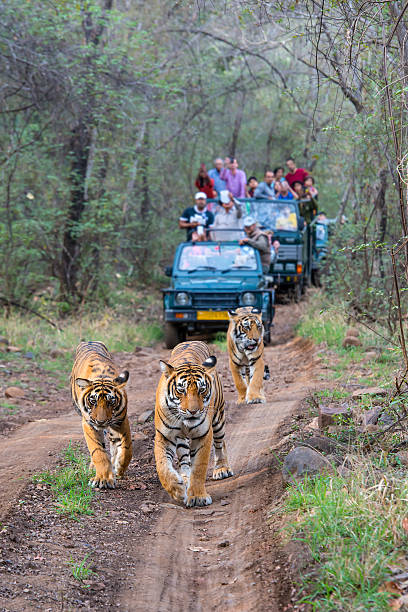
353	529
81	570
220	341
6	409
69	483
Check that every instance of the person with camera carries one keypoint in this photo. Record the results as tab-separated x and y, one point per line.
197	219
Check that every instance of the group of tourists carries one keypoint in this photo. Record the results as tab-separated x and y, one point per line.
225	183
226	176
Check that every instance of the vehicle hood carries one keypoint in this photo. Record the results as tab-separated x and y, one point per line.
227	283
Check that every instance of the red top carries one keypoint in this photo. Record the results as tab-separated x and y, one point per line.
298	175
207	189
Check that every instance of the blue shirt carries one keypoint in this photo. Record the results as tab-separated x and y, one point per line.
288	196
265	191
219	184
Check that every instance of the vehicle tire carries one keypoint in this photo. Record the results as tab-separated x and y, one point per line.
267	336
173	335
316	280
297	292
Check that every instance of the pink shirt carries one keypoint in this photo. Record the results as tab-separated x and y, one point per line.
235	184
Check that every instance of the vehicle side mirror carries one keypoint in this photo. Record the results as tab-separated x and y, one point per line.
168	270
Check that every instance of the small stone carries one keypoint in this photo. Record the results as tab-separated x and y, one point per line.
369	355
13	349
139	435
147	508
224	502
314	424
145	416
352	332
369	391
333	414
323	444
370	417
54	353
403	457
351	341
14	392
29	355
303	460
3	340
223	544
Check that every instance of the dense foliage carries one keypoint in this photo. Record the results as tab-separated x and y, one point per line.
108	108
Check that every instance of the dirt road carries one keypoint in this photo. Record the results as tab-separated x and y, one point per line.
148	553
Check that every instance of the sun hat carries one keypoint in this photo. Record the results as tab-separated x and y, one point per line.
200	194
224	196
249	221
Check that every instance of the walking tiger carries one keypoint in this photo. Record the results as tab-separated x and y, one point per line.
190	416
245	351
99	397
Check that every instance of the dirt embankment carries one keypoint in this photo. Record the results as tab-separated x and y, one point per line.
147	552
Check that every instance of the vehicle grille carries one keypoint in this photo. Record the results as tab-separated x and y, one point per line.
287	251
215	300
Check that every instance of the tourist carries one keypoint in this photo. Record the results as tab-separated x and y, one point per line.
295	174
230	216
310	189
204	183
235	179
215	174
251	186
265	189
197	219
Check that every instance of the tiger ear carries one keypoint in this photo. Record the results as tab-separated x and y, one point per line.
166	368
122	379
232	314
209	364
83	383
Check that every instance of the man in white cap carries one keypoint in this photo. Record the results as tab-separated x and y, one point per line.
197	219
259	240
229	216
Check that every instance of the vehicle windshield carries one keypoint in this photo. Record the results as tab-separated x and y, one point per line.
275	215
220	257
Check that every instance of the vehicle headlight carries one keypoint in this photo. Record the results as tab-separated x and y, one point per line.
248	299
182	298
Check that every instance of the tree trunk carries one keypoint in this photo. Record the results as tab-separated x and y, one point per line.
79	149
237	126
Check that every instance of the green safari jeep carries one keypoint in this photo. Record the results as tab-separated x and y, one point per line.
207	280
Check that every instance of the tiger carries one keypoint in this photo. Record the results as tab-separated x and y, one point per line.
246	354
99	396
189	417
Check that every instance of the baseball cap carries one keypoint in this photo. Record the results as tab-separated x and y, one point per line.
249	221
224	196
200	194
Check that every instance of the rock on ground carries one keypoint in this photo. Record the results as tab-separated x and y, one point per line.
303	460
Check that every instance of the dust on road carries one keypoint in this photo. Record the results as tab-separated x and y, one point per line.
147	552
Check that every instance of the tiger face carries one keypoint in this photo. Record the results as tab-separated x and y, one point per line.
189	388
248	330
101	401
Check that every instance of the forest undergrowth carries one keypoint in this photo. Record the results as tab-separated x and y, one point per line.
353	519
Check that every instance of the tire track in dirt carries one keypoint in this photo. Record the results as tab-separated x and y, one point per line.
209	559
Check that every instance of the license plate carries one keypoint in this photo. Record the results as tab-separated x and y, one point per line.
212	315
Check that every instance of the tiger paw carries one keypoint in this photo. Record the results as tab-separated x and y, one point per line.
197	501
177	490
99	482
222	472
256	400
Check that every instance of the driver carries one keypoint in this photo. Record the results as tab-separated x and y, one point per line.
258	240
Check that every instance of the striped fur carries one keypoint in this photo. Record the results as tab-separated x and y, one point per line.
99	397
190	417
245	351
